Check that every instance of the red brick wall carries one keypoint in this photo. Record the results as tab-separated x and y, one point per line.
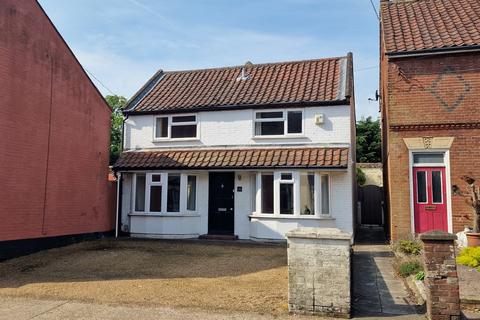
439	89
54	129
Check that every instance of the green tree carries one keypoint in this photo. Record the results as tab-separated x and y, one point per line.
369	141
116	103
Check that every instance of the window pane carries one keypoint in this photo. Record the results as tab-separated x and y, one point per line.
269	128
189	131
184	119
161	128
428	158
191	192
421	187
286	176
156	178
325	195
173	193
269	115
156	198
437	186
267	193
286	198
295	122
307	194
140	193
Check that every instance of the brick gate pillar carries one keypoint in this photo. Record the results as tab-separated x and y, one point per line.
319	272
441	279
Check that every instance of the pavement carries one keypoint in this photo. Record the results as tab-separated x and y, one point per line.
377	291
26	309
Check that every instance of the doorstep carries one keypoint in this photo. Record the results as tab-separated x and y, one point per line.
218	237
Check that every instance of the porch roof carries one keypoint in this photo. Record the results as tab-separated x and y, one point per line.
252	158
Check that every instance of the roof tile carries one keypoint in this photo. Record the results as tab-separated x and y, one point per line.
234	158
308	81
413	25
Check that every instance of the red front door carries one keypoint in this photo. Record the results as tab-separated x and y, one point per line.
430	199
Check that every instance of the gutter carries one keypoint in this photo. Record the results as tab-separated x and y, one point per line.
436	51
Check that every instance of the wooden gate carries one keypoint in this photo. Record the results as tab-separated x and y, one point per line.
371	205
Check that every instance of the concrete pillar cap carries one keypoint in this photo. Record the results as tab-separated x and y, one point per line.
319	233
437	235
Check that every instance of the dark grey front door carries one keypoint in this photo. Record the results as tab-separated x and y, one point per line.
221	202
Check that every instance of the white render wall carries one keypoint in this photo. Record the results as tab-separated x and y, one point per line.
193	224
235	128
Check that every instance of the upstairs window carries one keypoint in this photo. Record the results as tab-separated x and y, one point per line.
278	123
176	127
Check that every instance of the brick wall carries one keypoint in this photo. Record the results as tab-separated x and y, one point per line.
441	278
54	129
443	92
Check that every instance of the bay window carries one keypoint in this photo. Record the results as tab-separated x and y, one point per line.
155	186
278	123
140	192
164	192
298	193
267	193
286	193
307	193
175	127
173	195
191	193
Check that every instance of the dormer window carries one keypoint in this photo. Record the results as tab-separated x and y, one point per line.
176	127
278	123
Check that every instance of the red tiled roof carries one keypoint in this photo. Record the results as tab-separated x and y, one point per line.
234	158
309	81
413	25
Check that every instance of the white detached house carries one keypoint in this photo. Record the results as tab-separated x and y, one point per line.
249	152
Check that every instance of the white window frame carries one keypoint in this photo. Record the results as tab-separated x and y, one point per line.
164	183
171	124
296	194
284	118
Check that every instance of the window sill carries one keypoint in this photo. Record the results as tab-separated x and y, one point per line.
291	217
174	139
173	214
293	136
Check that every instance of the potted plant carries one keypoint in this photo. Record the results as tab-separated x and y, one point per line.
473	199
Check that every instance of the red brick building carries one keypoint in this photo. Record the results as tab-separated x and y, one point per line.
430	108
54	129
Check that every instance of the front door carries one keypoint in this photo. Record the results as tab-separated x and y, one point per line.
430	199
221	202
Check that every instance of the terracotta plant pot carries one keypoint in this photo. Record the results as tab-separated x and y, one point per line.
473	239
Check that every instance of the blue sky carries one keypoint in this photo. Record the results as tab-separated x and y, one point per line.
124	42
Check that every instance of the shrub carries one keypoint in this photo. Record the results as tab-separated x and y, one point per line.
409	267
420	275
470	257
410	247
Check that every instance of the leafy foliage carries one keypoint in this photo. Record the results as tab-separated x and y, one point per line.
410	247
116	103
470	257
420	275
409	267
369	140
361	178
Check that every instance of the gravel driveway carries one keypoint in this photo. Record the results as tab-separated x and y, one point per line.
190	274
